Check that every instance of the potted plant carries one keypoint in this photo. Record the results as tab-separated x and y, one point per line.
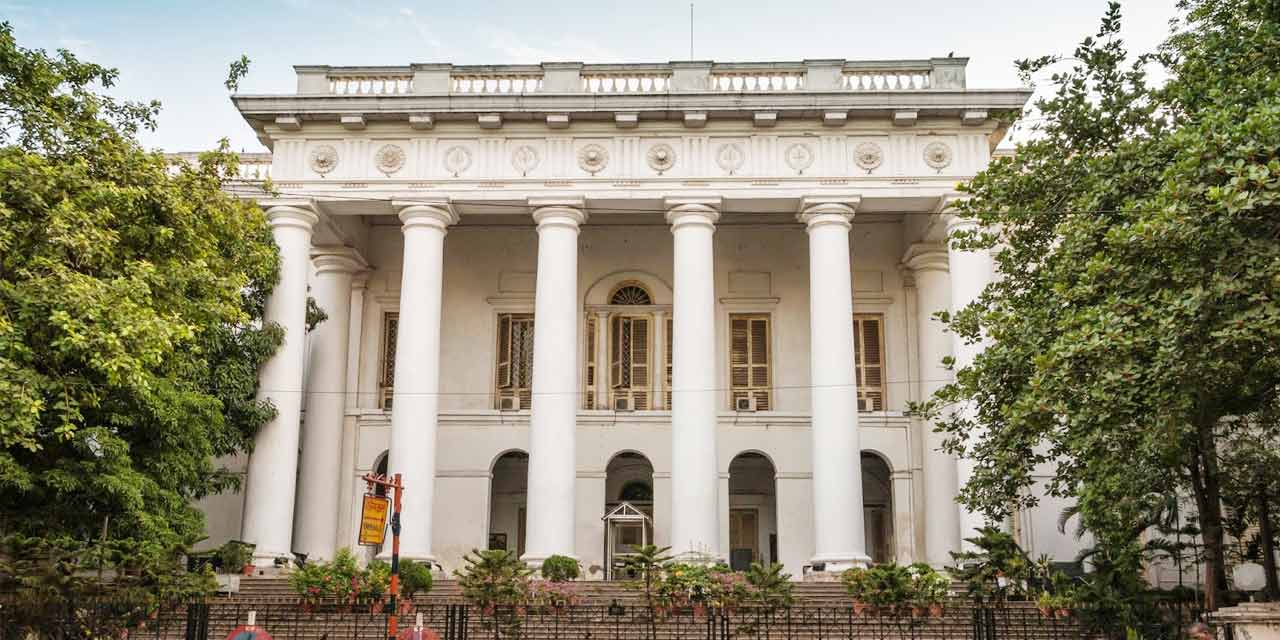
1045	604
928	589
234	559
856	585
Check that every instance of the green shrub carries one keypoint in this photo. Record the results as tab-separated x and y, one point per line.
886	585
376	580
234	555
415	577
493	577
560	569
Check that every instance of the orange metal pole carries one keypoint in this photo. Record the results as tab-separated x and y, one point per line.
393	624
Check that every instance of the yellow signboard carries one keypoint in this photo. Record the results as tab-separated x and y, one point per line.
373	520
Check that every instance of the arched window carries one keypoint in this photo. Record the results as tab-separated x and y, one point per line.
630	293
630	349
636	491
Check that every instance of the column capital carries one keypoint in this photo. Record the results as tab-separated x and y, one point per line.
558	211
692	211
948	201
417	214
816	211
293	212
337	259
926	256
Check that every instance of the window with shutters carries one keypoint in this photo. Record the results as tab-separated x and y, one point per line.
629	360
386	381
750	363
666	402
589	377
868	347
514	359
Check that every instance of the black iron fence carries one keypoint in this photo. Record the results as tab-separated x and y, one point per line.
217	619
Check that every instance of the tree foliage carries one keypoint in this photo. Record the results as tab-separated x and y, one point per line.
131	301
1139	304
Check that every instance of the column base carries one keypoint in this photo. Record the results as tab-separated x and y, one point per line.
272	563
827	568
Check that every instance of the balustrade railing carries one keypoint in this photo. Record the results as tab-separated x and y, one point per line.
886	80
495	83
759	80
624	82
371	84
683	77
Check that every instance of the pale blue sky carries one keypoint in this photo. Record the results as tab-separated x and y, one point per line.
177	51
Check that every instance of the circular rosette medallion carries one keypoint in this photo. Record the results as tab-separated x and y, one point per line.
457	160
661	158
937	155
324	159
868	156
593	158
389	159
730	157
799	157
525	159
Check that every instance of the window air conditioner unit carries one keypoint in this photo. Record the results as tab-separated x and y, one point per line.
862	404
509	403
623	403
747	403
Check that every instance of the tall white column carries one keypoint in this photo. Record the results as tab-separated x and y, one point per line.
971	272
694	477
928	263
839	537
553	416
320	481
415	398
269	489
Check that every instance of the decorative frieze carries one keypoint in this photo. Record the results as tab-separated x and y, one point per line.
757	156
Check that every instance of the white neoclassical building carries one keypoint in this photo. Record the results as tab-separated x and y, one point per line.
583	306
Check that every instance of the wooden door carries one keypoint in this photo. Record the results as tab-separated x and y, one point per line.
744	538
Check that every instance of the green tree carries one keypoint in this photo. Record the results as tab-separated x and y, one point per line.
1251	490
1139	309
131	301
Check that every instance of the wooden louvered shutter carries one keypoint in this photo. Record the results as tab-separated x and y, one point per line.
868	340
639	362
390	328
760	373
504	352
522	358
590	377
668	367
615	352
739	359
749	362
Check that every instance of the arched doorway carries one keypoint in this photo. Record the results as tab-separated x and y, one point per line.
753	520
877	507
628	491
508	494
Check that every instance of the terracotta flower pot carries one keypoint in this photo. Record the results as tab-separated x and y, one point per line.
859	607
248	569
1046	612
936	610
1063	613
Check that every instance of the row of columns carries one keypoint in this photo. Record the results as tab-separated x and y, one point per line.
837	493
